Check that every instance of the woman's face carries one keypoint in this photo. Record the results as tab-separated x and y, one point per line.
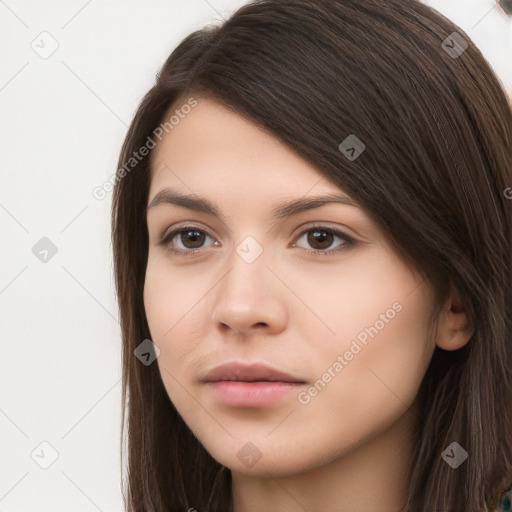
348	324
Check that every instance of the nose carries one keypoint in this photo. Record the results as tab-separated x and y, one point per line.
250	299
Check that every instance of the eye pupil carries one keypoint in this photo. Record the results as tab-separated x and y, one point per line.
320	235
196	236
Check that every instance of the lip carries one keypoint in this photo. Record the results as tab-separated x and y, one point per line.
250	385
236	371
252	394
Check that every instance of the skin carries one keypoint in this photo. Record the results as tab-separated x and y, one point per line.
349	448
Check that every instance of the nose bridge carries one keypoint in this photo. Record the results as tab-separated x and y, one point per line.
250	250
246	296
248	270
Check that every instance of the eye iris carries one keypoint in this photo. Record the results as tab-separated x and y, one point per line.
320	235
196	236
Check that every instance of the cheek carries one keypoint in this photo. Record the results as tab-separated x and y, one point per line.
379	329
352	401
384	351
172	302
168	295
166	304
177	303
398	357
371	297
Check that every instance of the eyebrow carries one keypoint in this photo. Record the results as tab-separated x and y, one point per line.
281	211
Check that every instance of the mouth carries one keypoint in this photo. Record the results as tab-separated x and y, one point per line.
254	385
256	372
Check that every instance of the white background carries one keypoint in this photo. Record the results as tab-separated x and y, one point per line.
63	120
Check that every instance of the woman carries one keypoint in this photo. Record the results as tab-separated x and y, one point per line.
312	233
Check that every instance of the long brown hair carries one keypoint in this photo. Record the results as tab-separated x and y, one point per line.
435	175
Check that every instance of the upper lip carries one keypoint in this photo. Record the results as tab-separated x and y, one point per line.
249	373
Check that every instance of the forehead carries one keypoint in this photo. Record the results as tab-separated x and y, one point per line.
214	146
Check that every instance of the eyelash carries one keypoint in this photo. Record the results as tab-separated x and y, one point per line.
348	241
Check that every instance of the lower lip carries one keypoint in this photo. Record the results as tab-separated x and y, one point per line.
252	394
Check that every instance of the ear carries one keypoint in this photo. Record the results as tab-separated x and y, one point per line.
454	325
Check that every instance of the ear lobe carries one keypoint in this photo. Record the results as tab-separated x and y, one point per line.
455	327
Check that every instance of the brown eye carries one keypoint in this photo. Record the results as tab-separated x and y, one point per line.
185	240
192	236
321	238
